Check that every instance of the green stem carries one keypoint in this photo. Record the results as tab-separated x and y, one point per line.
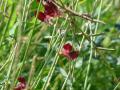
117	86
89	63
7	25
46	84
29	42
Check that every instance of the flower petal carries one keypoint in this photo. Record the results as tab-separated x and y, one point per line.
41	16
51	9
21	79
20	86
73	55
68	47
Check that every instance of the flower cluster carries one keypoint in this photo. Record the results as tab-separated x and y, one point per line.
50	11
69	52
21	85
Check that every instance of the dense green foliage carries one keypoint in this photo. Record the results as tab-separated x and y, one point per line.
30	48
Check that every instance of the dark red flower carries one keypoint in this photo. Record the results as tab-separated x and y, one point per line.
73	55
67	47
51	10
43	17
21	85
68	52
21	79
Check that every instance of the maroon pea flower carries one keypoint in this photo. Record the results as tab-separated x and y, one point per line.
21	79
68	52
66	49
73	55
21	85
51	11
43	17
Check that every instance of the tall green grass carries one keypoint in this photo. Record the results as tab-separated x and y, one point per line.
30	48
